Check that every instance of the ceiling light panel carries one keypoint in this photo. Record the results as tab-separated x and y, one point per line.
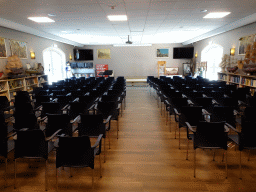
216	15
117	17
41	19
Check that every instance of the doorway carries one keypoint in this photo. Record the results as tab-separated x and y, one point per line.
212	54
54	64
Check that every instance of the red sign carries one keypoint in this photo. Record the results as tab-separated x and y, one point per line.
101	68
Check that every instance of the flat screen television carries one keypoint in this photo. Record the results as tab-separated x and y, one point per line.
80	65
73	65
183	52
83	54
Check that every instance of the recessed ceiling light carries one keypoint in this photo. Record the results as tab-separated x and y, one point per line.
216	15
41	19
117	17
51	15
203	11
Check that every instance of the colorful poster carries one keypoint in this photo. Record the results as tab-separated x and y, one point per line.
19	48
101	68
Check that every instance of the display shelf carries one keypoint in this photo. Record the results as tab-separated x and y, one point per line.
238	79
9	87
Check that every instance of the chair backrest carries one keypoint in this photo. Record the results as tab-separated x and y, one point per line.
56	122
223	113
249	114
25	120
3	136
91	125
191	114
205	102
4	102
31	143
106	108
23	108
210	134
70	152
77	108
51	107
178	102
86	99
247	137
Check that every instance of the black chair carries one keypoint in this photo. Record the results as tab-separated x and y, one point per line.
6	145
5	107
107	109
32	144
94	125
51	108
25	120
56	122
77	108
244	138
205	102
223	113
209	135
192	114
70	154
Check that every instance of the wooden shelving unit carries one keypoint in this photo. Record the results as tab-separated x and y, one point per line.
238	79
9	87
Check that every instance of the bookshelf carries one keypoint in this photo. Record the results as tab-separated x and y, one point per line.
9	87
238	79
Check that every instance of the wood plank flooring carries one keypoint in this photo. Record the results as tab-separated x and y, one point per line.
145	158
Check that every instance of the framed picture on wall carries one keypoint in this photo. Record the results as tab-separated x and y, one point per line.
103	53
162	53
2	48
19	48
244	42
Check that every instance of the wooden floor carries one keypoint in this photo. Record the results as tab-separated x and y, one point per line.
145	158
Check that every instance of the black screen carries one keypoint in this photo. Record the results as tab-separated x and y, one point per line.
83	54
183	52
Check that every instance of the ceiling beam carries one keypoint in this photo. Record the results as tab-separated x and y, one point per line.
236	24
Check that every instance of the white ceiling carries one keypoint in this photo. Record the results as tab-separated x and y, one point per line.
84	22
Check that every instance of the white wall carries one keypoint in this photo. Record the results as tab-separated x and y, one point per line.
136	61
227	40
34	43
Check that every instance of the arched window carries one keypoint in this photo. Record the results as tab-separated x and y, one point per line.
212	54
54	64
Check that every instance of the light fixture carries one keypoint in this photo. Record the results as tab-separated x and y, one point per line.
51	15
41	19
117	17
203	11
196	55
232	51
32	55
70	57
216	15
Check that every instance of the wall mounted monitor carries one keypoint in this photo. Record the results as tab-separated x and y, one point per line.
83	54
183	52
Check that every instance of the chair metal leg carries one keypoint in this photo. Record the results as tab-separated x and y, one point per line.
92	178
5	175
179	137
195	163
105	150
117	129
223	157
70	172
240	166
100	166
213	155
56	179
46	183
15	167
249	155
227	163
187	150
